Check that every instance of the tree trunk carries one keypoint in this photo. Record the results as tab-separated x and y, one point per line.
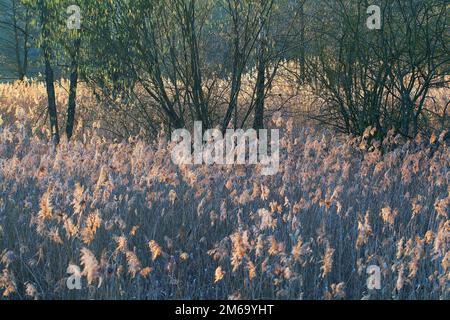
20	71
260	94
303	45
49	76
25	44
260	81
72	90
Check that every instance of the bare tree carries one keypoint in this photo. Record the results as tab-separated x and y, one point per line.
49	74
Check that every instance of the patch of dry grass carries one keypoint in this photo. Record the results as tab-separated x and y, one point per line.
139	227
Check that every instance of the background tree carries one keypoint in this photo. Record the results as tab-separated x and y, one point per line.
15	20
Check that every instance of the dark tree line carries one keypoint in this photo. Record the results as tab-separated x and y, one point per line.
163	64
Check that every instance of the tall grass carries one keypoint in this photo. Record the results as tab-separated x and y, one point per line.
138	227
